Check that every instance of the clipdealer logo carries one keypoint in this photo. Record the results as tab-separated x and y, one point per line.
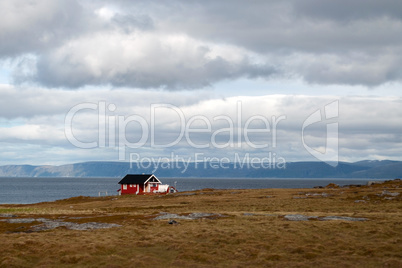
113	128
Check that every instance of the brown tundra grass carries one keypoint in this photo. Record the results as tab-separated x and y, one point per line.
250	230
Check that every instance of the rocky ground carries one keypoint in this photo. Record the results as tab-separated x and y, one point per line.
353	226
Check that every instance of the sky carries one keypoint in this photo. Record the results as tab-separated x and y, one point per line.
285	81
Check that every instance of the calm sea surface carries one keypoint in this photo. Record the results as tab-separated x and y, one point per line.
34	190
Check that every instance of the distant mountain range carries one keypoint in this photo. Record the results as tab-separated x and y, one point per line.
385	169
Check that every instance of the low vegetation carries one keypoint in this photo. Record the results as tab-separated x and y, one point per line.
240	228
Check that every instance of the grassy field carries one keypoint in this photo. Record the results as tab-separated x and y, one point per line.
243	228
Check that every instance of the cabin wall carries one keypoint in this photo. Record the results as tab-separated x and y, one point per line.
152	187
131	189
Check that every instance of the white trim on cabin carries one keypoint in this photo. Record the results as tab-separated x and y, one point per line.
153	176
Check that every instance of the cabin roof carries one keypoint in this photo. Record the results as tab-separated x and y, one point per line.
138	179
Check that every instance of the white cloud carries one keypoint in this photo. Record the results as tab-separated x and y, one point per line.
144	59
184	45
363	130
34	26
211	54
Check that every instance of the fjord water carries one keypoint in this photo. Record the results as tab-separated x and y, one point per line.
19	190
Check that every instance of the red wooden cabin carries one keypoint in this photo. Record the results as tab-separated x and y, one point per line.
141	184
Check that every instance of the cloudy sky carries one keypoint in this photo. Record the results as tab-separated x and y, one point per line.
295	80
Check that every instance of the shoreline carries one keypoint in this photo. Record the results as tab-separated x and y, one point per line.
36	190
325	227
